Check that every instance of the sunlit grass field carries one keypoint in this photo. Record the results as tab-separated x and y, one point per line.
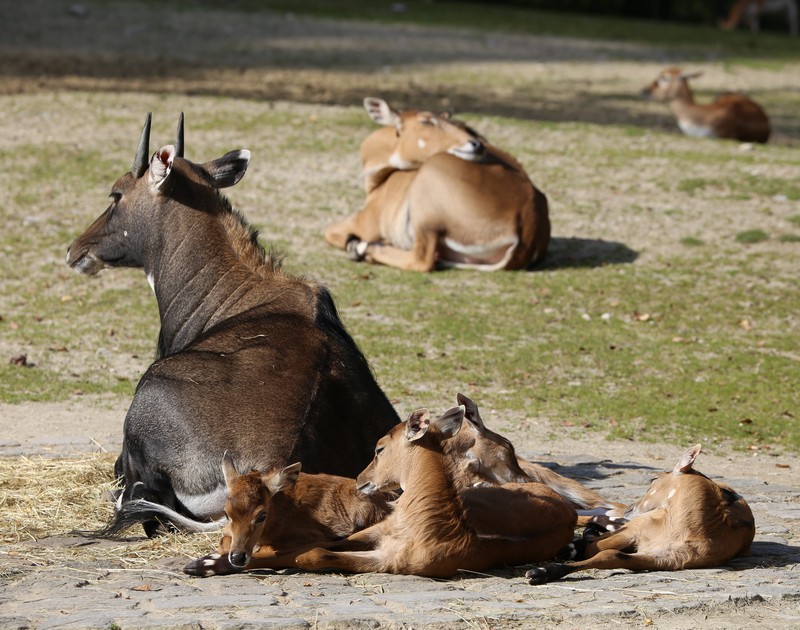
667	309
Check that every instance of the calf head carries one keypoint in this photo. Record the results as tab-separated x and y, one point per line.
672	83
142	201
422	134
391	466
481	455
248	505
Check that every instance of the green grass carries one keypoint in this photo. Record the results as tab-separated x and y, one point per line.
656	366
751	236
650	321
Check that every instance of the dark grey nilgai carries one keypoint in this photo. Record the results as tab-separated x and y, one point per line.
251	360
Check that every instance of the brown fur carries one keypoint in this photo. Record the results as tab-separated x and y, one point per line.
399	137
481	456
430	533
470	205
732	116
272	514
241	342
684	521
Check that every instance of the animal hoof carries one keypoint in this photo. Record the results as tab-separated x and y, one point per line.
594	530
203	567
356	249
567	553
537	576
615	522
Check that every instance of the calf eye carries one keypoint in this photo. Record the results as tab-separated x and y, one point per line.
260	518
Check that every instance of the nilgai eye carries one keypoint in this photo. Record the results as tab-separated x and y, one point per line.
260	518
116	196
379	450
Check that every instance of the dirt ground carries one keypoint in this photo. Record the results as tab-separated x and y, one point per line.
50	47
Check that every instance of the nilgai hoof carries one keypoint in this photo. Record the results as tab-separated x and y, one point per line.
356	249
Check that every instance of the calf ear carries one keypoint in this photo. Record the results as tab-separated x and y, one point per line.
381	113
471	413
229	169
687	460
283	479
161	166
449	423
417	424
229	469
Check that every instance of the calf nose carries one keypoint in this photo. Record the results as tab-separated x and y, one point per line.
237	558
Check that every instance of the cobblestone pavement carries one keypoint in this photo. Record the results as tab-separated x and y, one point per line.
763	589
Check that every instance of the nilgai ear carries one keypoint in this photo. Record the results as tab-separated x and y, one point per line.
471	413
417	424
161	166
283	479
229	169
381	113
687	460
229	469
449	423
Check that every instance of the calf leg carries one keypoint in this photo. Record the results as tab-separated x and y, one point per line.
606	559
422	257
350	561
356	226
264	558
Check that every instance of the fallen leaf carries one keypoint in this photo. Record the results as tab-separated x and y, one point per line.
66	298
782	466
143	587
745	324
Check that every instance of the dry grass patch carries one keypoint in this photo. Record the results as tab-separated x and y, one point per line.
45	500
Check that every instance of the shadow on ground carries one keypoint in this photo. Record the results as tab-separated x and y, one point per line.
565	253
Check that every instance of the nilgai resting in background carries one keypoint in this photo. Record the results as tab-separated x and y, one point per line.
684	521
731	116
467	205
251	360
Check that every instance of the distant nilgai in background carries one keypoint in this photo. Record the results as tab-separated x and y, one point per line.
732	116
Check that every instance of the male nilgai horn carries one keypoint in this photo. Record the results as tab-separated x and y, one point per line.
139	165
140	162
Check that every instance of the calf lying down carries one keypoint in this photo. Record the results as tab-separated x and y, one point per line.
684	521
